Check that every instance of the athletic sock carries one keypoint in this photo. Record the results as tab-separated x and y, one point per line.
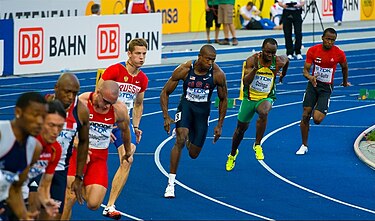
171	178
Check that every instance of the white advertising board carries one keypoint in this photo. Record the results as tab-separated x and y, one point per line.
325	11
20	9
82	43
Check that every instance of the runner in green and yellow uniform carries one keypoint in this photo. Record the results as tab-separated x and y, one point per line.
259	79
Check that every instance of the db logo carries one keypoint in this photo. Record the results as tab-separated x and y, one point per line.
108	41
327	8
30	45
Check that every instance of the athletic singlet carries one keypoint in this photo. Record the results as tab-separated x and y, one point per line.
263	84
101	126
47	162
66	137
325	62
14	157
129	85
198	88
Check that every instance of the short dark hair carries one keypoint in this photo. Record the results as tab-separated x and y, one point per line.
26	98
330	30
250	4
269	40
56	107
95	8
137	42
207	49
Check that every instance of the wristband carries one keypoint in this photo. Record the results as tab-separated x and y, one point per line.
80	177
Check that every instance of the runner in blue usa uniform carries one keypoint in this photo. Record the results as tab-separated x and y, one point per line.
200	77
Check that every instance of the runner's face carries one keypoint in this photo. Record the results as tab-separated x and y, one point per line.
53	124
207	60
328	40
269	51
104	100
66	93
32	117
138	56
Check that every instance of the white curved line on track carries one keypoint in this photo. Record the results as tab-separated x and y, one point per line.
269	169
304	188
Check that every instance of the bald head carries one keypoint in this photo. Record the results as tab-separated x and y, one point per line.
110	87
67	78
67	88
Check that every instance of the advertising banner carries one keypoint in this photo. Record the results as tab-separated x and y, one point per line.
175	15
20	9
81	43
367	9
323	11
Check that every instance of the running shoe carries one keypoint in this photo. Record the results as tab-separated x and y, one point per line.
111	212
231	162
169	191
258	152
299	57
302	150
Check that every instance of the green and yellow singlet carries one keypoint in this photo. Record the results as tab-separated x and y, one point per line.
263	84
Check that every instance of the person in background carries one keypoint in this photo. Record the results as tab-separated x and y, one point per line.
324	59
105	112
132	82
76	124
276	15
37	190
19	150
248	12
95	9
337	12
139	6
259	95
199	77
211	15
225	16
292	18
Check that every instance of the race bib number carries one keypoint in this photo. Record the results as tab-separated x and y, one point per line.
262	83
197	94
323	74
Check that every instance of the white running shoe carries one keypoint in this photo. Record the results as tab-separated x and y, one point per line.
302	150
299	57
169	191
111	212
290	57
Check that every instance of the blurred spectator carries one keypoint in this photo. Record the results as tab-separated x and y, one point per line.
292	18
276	13
249	11
211	15
251	19
337	11
95	9
139	6
225	16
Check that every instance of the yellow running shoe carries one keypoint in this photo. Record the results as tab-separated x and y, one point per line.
258	152
231	162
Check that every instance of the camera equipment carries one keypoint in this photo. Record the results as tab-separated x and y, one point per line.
312	5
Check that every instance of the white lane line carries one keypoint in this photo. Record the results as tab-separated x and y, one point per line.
304	188
158	164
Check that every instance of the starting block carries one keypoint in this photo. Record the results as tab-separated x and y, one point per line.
371	94
366	94
98	76
231	102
